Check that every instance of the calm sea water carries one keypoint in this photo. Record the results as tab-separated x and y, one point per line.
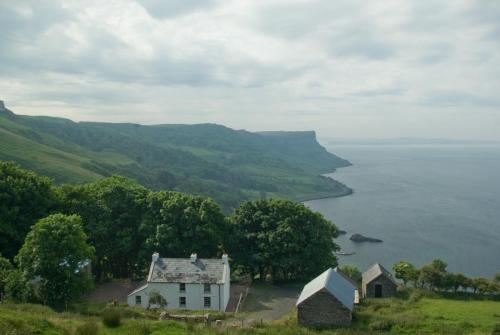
425	202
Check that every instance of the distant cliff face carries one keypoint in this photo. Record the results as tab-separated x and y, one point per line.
229	165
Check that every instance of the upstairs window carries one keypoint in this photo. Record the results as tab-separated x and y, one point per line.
182	287
206	288
138	300
207	302
182	301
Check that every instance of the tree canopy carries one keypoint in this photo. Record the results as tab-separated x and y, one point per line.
111	210
282	238
54	257
24	198
178	224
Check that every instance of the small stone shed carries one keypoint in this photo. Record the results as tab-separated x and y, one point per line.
326	301
378	282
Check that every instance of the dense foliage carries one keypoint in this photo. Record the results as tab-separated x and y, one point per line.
434	276
211	160
24	198
111	210
56	256
281	238
178	224
126	222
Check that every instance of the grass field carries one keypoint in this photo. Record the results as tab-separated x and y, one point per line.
411	314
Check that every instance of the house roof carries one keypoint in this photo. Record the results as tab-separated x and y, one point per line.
333	282
182	270
375	271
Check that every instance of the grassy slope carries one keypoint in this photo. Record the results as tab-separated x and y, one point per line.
428	315
207	159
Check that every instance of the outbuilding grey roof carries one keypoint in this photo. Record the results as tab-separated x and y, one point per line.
341	288
374	272
182	270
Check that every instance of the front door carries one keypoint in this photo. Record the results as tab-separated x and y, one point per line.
378	291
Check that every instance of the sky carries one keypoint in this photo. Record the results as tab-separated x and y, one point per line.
347	69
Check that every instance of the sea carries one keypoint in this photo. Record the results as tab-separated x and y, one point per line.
423	201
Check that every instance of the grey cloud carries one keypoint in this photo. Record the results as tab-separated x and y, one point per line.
394	91
342	27
172	8
453	98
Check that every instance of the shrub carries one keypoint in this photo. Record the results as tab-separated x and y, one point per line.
88	328
382	325
111	318
140	328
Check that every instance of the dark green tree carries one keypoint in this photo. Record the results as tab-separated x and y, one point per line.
111	211
179	224
24	198
283	238
5	268
55	255
352	271
406	272
433	274
17	287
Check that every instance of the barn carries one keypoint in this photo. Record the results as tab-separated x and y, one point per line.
326	301
378	282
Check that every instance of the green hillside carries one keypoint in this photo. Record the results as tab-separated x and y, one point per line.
208	159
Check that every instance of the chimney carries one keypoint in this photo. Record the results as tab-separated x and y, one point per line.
155	257
2	105
193	258
224	259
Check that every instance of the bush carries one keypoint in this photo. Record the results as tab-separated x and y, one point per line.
89	328
111	318
382	325
140	328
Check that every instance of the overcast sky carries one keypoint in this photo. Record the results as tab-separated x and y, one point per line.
426	68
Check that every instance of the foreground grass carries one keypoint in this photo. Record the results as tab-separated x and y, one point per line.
413	314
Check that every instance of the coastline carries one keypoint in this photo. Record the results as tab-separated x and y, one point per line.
340	190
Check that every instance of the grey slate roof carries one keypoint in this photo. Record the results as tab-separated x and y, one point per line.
375	271
333	282
182	270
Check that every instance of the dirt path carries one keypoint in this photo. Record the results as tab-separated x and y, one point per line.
267	302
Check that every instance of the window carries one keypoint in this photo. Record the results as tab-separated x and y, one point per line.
207	302
138	300
182	287
182	301
206	288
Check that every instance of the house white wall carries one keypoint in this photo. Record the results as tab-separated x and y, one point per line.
219	295
194	292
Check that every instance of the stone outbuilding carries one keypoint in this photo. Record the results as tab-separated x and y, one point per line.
326	301
378	282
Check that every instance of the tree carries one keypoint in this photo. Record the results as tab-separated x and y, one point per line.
17	287
55	254
496	278
352	271
179	224
24	198
5	268
155	298
283	238
458	280
111	210
406	272
433	274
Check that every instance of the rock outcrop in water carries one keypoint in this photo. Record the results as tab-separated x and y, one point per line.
361	238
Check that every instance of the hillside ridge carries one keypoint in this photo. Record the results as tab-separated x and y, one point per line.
208	159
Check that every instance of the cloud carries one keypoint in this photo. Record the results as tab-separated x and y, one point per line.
344	67
172	8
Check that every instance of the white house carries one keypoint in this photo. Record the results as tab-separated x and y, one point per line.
190	283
